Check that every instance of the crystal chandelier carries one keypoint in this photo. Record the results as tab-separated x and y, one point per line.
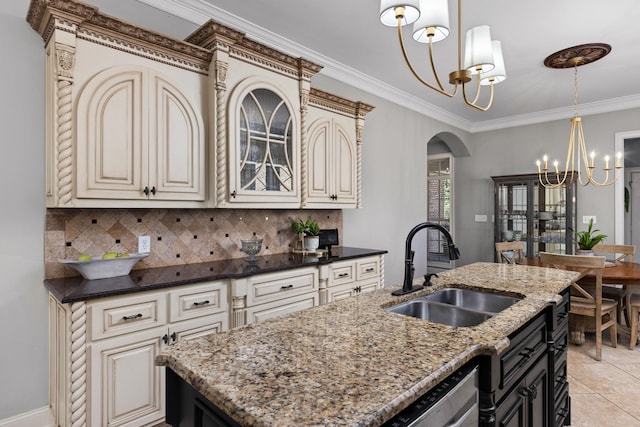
574	57
430	18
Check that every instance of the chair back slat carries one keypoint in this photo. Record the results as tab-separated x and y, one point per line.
583	264
503	249
623	252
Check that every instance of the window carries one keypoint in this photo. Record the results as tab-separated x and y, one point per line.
439	208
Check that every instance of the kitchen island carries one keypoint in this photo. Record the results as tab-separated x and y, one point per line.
352	362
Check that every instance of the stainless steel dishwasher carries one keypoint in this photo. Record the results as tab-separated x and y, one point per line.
452	403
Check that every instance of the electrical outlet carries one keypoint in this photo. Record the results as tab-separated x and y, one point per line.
144	244
587	218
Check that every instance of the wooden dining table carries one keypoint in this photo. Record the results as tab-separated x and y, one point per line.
615	273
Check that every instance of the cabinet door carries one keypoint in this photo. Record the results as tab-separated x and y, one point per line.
331	165
112	140
177	158
263	146
344	162
125	385
139	137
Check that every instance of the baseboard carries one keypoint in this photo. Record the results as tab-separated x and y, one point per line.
37	418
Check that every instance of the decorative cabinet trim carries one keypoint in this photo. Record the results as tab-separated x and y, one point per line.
47	16
82	42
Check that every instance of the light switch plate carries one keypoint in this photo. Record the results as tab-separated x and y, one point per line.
481	218
586	218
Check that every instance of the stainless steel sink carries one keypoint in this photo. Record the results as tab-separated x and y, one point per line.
474	300
455	307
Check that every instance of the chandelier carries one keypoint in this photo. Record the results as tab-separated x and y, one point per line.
574	57
430	18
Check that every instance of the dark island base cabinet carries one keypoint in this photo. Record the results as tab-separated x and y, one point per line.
526	385
187	407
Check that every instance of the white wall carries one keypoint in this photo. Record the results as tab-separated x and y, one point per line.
23	299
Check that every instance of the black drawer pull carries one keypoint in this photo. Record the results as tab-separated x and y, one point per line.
561	380
369	270
357	289
343	274
527	353
286	287
133	316
563	315
199	303
561	348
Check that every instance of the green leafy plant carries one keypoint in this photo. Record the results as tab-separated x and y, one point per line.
588	238
308	227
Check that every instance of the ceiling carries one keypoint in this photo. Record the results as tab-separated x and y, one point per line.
346	37
349	40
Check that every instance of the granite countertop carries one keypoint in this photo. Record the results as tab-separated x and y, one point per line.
73	289
351	362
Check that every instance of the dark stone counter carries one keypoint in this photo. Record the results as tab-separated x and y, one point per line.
72	289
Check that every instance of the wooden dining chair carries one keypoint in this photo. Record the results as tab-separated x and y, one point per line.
614	291
634	312
583	303
509	252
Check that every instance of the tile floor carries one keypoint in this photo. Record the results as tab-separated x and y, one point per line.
605	393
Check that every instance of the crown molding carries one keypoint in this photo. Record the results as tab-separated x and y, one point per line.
601	107
199	11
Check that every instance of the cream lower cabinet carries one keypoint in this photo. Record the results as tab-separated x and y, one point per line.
265	296
112	343
345	279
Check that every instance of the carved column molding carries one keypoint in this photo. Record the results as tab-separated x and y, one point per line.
78	380
64	61
220	69
361	110
237	311
304	102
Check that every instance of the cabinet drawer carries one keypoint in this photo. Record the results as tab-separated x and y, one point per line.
278	308
188	302
368	268
274	286
527	345
342	273
113	316
560	379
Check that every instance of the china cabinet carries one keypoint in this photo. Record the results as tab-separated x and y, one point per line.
541	217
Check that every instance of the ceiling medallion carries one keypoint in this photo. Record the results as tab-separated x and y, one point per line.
577	55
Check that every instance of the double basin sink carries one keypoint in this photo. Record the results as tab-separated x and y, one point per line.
455	306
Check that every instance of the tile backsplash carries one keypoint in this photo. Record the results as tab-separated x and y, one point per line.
178	236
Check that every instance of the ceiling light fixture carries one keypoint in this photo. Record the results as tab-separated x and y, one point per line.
574	57
430	19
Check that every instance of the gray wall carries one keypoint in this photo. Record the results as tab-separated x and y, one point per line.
394	171
23	300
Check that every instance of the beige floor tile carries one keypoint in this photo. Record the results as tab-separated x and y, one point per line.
576	387
632	369
628	402
592	410
604	378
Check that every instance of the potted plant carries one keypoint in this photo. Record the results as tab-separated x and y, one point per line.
587	239
308	230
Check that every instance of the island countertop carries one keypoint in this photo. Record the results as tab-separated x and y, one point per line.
352	362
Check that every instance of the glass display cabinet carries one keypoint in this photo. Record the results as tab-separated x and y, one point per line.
541	217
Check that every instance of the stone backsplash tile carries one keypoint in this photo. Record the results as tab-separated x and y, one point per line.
178	236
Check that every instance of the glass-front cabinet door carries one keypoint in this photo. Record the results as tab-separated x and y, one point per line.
262	150
541	217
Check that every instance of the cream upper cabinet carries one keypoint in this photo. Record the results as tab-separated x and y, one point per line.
138	137
332	171
263	145
125	112
259	100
